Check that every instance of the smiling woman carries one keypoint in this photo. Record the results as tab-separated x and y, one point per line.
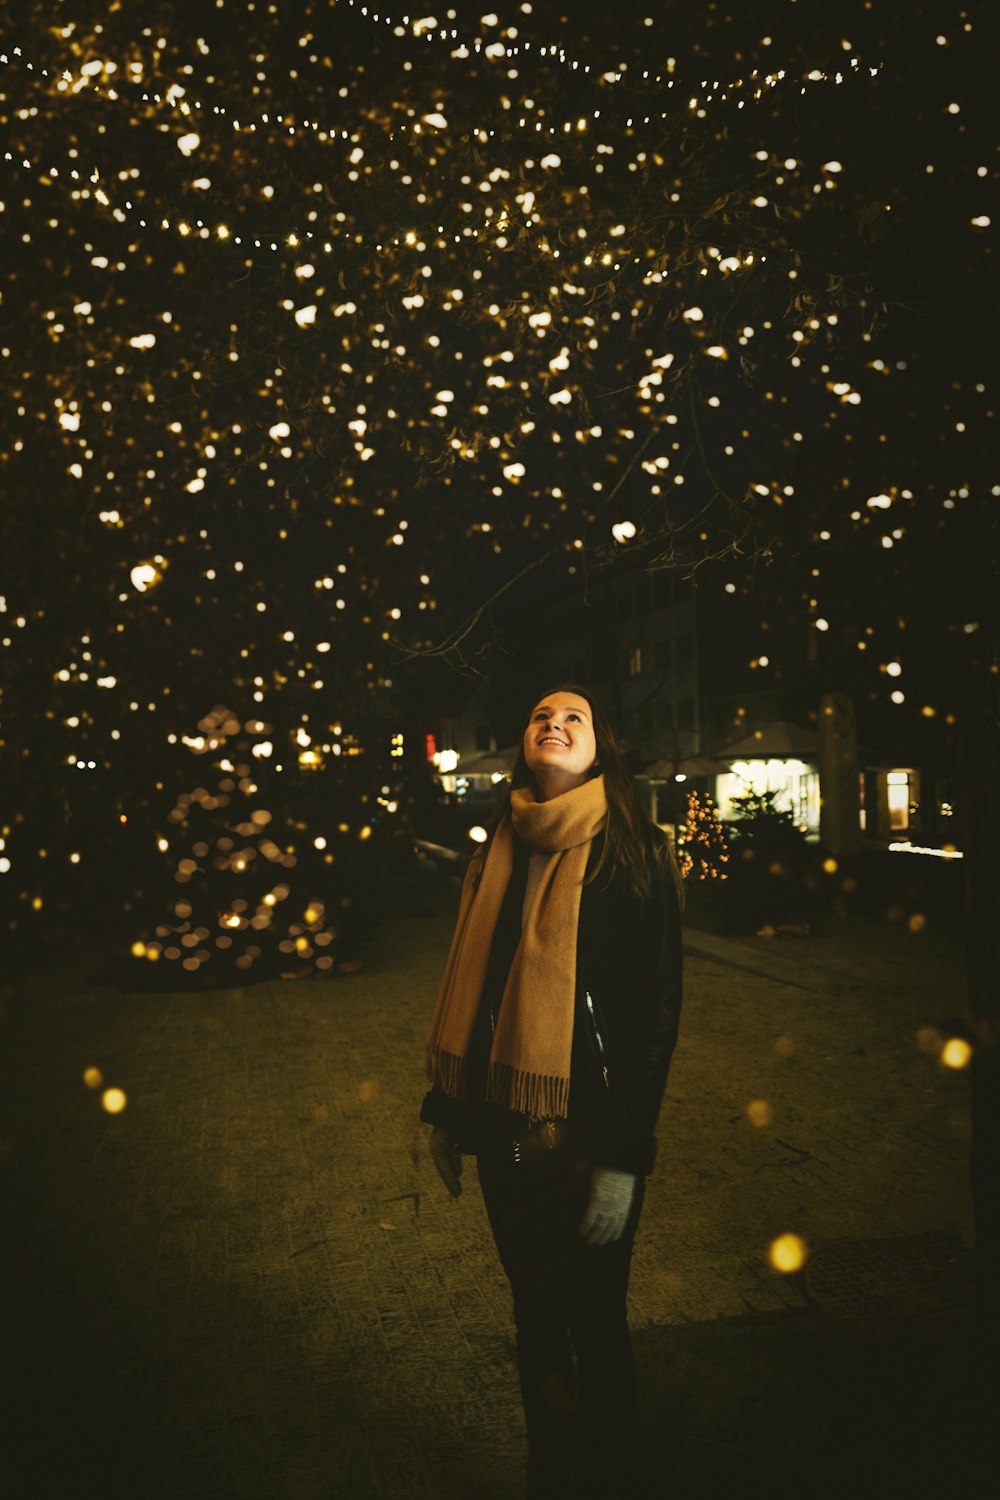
560	747
548	1059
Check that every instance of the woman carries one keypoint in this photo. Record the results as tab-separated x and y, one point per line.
548	1057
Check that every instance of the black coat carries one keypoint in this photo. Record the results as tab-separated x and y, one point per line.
627	1008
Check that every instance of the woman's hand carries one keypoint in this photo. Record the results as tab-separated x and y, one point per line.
611	1195
447	1158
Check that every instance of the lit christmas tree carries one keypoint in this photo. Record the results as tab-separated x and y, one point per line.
702	846
253	899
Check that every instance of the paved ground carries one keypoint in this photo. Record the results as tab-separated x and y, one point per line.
248	1285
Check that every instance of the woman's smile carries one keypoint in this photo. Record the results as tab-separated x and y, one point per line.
561	722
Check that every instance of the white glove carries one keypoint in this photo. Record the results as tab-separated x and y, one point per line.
447	1158
611	1195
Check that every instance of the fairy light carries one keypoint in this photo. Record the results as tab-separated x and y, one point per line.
176	98
182	430
702	845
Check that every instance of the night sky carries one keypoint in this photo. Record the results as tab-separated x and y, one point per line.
322	325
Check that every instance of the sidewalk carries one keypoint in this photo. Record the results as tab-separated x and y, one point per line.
249	1284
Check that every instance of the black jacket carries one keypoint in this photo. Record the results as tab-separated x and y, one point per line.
627	1008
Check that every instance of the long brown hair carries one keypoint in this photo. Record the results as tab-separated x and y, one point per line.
632	844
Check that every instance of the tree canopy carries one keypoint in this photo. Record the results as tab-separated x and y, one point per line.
324	327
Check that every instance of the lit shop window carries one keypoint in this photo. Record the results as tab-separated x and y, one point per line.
899	799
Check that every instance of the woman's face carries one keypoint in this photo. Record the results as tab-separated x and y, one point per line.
559	743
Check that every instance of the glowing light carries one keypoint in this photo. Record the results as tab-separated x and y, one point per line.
251	477
946	853
114	1101
478	835
788	1253
956	1053
760	1112
143	576
93	1078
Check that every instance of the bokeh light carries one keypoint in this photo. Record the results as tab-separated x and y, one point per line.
788	1253
956	1053
311	361
760	1112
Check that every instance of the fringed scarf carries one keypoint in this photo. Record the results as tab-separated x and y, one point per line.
530	1055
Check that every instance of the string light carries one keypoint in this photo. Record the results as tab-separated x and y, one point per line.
176	98
382	352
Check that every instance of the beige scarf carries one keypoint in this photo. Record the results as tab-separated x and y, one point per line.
530	1055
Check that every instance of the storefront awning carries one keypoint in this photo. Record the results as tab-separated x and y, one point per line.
487	762
689	765
779	741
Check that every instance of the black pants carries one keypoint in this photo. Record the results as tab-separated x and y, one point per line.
569	1298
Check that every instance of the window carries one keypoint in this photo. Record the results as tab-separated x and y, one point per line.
899	800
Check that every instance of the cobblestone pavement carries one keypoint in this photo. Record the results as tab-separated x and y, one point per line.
249	1285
